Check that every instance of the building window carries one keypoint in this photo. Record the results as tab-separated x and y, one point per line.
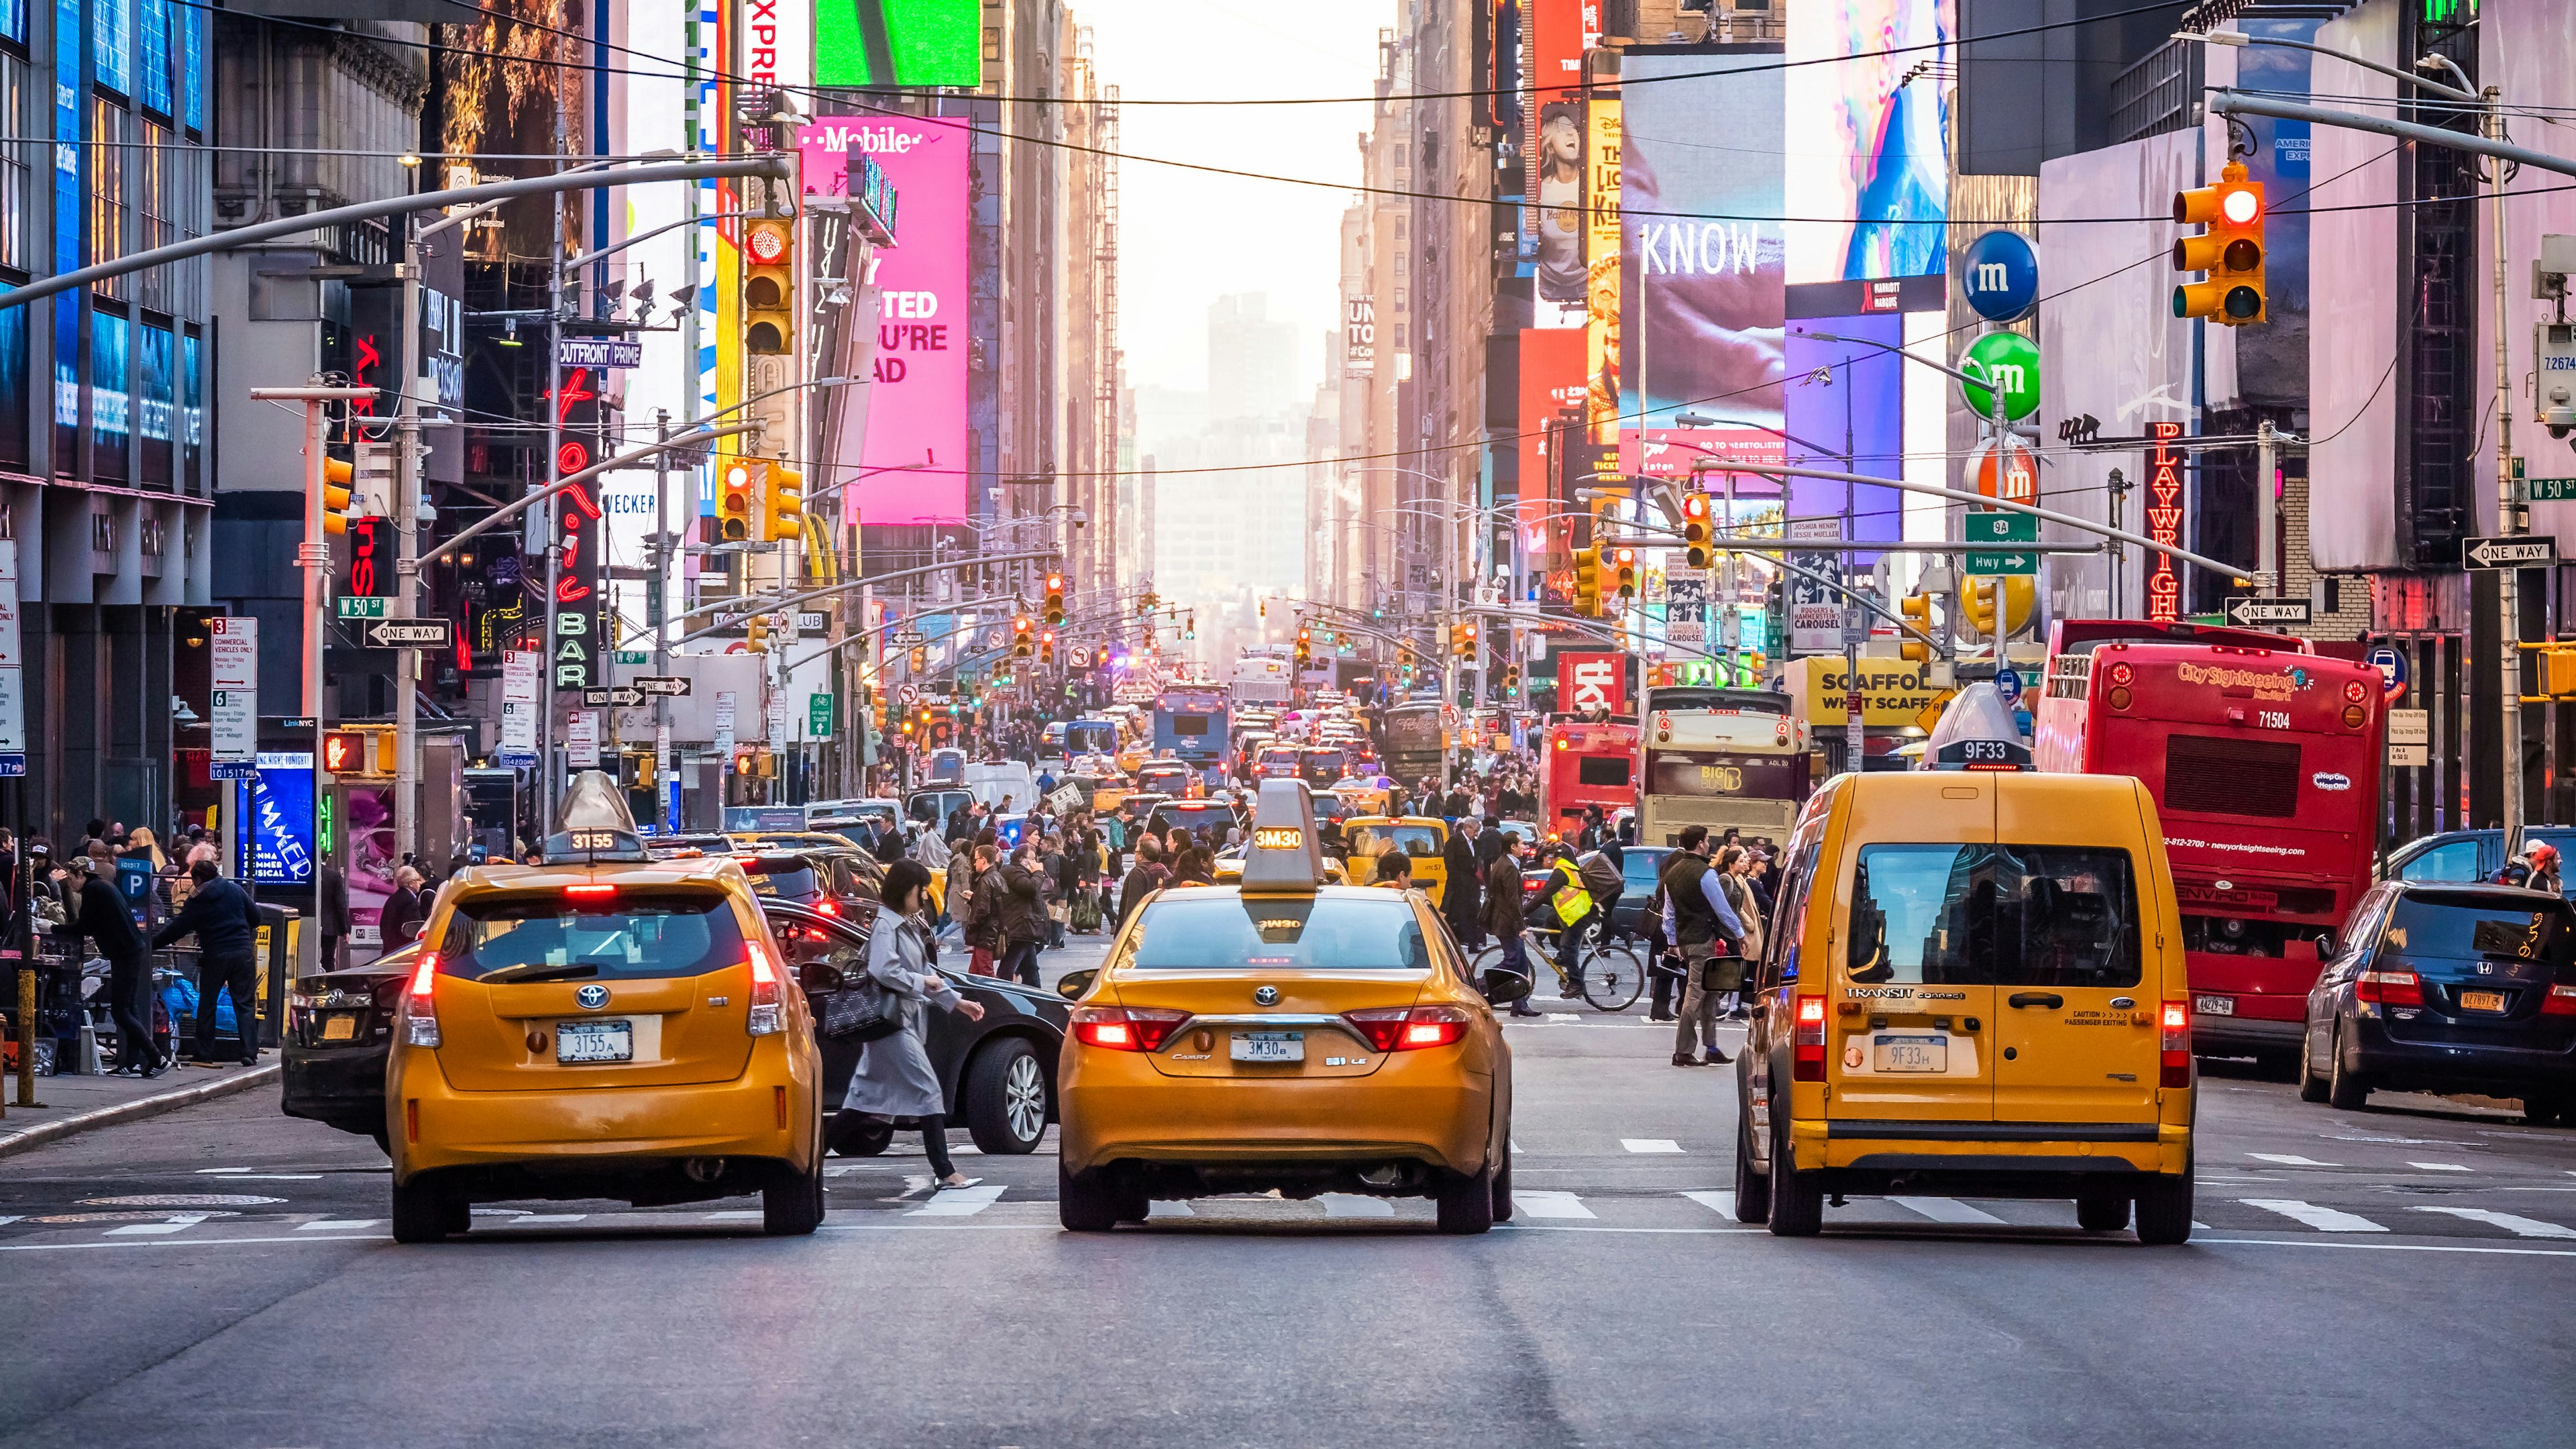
155	162
192	66
153	365
107	396
17	179
192	417
111	44
13	20
152	87
110	129
14	433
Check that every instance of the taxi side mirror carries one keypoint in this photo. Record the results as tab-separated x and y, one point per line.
1073	983
1503	987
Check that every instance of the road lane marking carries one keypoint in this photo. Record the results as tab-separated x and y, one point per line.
957	1202
2290	1159
2519	1227
1169	1210
1947	1210
1534	1203
1561	1016
175	1223
1720	1203
2439	1166
535	1220
1650	1144
2323	1219
1355	1205
5	1221
735	1215
332	1225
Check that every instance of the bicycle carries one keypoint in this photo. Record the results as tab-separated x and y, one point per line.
1609	975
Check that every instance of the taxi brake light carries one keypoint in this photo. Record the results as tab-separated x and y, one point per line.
2561	1001
1808	1041
2174	1041
768	1008
1402	1028
420	1008
590	892
1125	1029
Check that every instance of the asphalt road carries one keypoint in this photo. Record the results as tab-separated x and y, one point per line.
2396	1276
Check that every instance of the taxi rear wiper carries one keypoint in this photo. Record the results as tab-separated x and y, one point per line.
540	971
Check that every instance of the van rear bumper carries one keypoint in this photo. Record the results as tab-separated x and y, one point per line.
2005	1159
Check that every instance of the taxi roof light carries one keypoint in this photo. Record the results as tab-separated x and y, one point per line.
1286	858
592	823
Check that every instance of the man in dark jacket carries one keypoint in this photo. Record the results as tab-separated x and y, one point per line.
334	920
1021	916
225	921
1462	900
1503	910
1144	878
103	917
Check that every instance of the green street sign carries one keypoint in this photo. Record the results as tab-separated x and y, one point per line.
2002	527
2018	561
818	716
2551	490
362	607
2001	359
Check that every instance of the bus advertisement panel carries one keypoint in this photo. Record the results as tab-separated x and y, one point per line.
1743	765
2264	765
1412	741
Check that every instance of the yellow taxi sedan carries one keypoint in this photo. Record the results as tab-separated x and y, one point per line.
1284	1034
1422	837
603	1025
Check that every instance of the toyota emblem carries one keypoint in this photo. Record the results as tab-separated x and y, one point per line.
1266	996
592	997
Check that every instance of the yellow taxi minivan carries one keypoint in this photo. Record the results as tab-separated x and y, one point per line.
1284	1034
1421	837
602	1025
1973	985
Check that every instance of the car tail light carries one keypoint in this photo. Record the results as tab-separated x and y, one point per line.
590	892
826	908
1808	1041
1401	1028
1125	1028
420	1005
768	1005
2174	1040
2561	1001
2391	988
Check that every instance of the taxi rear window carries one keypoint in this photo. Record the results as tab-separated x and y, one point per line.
618	935
1994	915
1414	840
1275	935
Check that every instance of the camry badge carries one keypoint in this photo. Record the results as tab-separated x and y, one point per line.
1266	996
592	997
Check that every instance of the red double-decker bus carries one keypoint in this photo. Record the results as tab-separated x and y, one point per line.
1583	765
2264	763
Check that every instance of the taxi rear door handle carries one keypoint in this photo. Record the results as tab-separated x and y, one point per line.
2049	999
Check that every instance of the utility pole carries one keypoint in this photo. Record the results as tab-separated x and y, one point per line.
2509	511
406	559
660	607
2267	524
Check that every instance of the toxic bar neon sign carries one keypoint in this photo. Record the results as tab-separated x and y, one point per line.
2164	523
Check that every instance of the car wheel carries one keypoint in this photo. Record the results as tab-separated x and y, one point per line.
2312	1088
855	1134
2102	1212
1083	1202
1797	1198
2541	1111
2346	1091
1006	1098
1503	1182
423	1211
1466	1203
793	1207
1752	1189
2164	1209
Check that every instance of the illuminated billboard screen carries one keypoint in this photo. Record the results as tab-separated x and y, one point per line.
899	43
1872	133
913	465
1699	200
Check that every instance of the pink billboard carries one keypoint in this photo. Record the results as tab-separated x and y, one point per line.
913	463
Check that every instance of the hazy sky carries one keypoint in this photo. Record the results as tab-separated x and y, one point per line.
1187	237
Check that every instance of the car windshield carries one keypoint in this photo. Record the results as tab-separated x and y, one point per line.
1994	915
1411	839
2465	925
791	880
1271	934
617	935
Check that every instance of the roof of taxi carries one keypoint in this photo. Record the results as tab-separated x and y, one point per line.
671	870
1433	821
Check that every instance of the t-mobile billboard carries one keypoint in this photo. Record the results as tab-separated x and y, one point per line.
913	466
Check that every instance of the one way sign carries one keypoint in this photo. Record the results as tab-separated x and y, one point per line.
673	685
408	633
2253	613
2511	553
622	697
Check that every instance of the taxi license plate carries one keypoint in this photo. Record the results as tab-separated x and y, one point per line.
1269	1046
594	1041
340	1026
2214	1005
2482	1000
1910	1053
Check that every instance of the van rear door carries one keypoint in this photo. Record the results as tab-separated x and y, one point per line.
2075	1033
1911	967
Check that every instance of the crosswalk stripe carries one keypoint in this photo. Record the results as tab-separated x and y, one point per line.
957	1202
326	1225
1529	1203
735	1215
1171	1210
1945	1210
2323	1219
1354	1205
536	1220
175	1223
2439	1166
2519	1227
18	1217
2290	1159
1720	1203
1650	1144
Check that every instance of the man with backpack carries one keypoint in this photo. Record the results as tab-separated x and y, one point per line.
1702	923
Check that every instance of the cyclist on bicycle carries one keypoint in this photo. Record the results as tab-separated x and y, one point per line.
1577	899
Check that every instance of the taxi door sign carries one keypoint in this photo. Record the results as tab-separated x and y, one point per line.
1893	692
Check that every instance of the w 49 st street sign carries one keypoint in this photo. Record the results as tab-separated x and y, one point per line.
2514	552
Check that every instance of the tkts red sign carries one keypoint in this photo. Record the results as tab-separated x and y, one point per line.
2164	522
1587	682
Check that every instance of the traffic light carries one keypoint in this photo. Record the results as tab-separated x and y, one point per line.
1046	648
1305	647
920	660
1462	640
1511	681
1625	561
1020	644
1918	612
755	633
1587	581
782	503
1055	598
1998	605
2230	251
337	479
344	752
744	481
769	286
1695	537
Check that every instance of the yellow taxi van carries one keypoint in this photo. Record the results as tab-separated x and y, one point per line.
602	1025
1421	837
1973	985
1284	1034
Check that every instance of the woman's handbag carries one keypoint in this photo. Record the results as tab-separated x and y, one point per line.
860	1008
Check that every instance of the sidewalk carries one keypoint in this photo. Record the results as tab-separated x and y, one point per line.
78	1103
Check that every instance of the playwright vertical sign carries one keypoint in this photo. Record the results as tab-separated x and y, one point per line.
914	463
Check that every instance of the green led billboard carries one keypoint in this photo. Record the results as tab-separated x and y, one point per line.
899	43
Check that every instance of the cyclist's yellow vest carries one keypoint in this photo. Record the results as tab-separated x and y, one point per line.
1571	901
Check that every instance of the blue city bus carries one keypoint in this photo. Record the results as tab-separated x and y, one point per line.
1090	735
1191	725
